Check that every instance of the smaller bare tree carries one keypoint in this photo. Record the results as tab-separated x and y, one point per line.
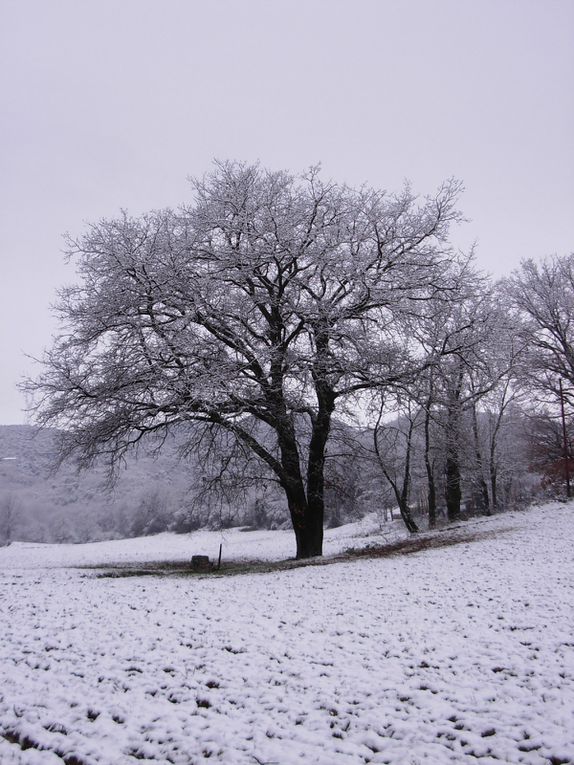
394	447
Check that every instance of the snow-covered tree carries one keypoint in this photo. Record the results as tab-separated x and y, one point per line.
468	335
270	302
543	295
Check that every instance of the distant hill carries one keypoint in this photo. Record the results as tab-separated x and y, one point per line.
41	503
157	490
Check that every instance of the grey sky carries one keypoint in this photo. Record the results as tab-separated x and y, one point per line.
113	103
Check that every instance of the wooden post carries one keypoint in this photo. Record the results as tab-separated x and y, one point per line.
219	559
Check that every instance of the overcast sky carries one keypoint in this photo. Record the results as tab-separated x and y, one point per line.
114	103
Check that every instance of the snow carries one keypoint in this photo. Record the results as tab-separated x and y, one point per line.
238	545
455	654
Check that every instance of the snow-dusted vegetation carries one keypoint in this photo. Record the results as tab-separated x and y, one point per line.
457	653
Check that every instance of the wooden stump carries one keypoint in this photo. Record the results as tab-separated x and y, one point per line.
200	563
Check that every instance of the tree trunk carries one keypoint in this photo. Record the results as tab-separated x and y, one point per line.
403	498
494	484
431	496
452	468
307	519
431	485
483	500
453	491
294	487
308	528
407	517
307	508
316	471
492	466
309	533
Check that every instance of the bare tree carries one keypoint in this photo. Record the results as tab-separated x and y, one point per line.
465	335
394	446
272	300
501	412
545	446
543	295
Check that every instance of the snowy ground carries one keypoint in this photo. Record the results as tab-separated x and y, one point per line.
238	545
457	654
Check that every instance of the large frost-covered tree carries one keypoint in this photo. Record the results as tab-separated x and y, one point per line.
257	311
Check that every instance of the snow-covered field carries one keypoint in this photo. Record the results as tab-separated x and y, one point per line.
457	654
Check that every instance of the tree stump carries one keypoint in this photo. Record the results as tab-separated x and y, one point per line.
200	563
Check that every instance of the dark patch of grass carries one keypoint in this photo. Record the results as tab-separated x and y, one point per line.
126	572
416	543
178	568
